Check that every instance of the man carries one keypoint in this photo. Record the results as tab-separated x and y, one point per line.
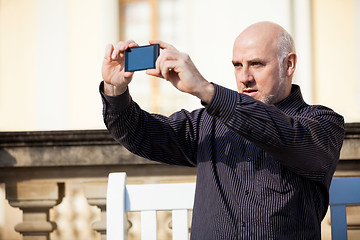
264	158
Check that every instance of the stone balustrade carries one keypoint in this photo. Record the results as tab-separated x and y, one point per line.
41	171
35	200
95	193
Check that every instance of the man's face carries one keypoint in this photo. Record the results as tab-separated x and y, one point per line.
257	69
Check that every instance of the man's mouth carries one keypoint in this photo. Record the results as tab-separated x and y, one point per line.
249	91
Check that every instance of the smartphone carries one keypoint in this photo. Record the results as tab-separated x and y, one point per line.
141	58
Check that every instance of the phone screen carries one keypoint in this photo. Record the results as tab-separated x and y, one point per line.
141	58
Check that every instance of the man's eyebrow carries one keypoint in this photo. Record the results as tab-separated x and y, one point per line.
255	59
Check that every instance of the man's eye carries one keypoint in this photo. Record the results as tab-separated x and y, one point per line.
257	64
237	65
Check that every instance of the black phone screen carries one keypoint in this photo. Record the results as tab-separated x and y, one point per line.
141	58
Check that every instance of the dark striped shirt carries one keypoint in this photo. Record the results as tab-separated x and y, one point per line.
263	171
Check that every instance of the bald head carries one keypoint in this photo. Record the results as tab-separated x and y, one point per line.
269	34
262	29
264	59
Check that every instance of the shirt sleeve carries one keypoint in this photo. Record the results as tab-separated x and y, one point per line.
171	140
306	140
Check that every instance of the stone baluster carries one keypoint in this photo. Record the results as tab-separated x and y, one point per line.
35	200
95	193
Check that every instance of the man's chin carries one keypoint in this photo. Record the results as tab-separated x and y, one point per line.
251	94
270	99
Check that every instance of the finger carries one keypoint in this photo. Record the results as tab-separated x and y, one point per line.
154	72
108	51
163	45
121	47
157	63
128	75
133	44
166	68
166	55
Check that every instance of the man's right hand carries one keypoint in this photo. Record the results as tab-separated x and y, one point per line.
113	72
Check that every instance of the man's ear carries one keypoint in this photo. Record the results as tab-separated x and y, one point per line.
290	64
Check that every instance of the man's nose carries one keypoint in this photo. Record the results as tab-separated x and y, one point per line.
245	76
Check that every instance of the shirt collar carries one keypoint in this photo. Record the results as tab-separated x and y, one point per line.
292	102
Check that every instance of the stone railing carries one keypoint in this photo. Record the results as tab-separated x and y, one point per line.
41	171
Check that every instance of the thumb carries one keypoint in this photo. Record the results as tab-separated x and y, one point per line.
128	74
154	72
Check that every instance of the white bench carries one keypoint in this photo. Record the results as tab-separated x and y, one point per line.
147	199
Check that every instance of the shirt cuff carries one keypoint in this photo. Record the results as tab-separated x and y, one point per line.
114	104
223	103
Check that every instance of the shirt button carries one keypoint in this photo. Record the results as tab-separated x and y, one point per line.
243	224
248	159
246	192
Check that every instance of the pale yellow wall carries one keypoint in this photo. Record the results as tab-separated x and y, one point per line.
50	60
336	83
51	53
86	50
18	36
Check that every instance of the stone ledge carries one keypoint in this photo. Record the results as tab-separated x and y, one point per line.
352	130
97	147
56	138
68	156
91	137
63	148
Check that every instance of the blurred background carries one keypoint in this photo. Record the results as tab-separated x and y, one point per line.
51	53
